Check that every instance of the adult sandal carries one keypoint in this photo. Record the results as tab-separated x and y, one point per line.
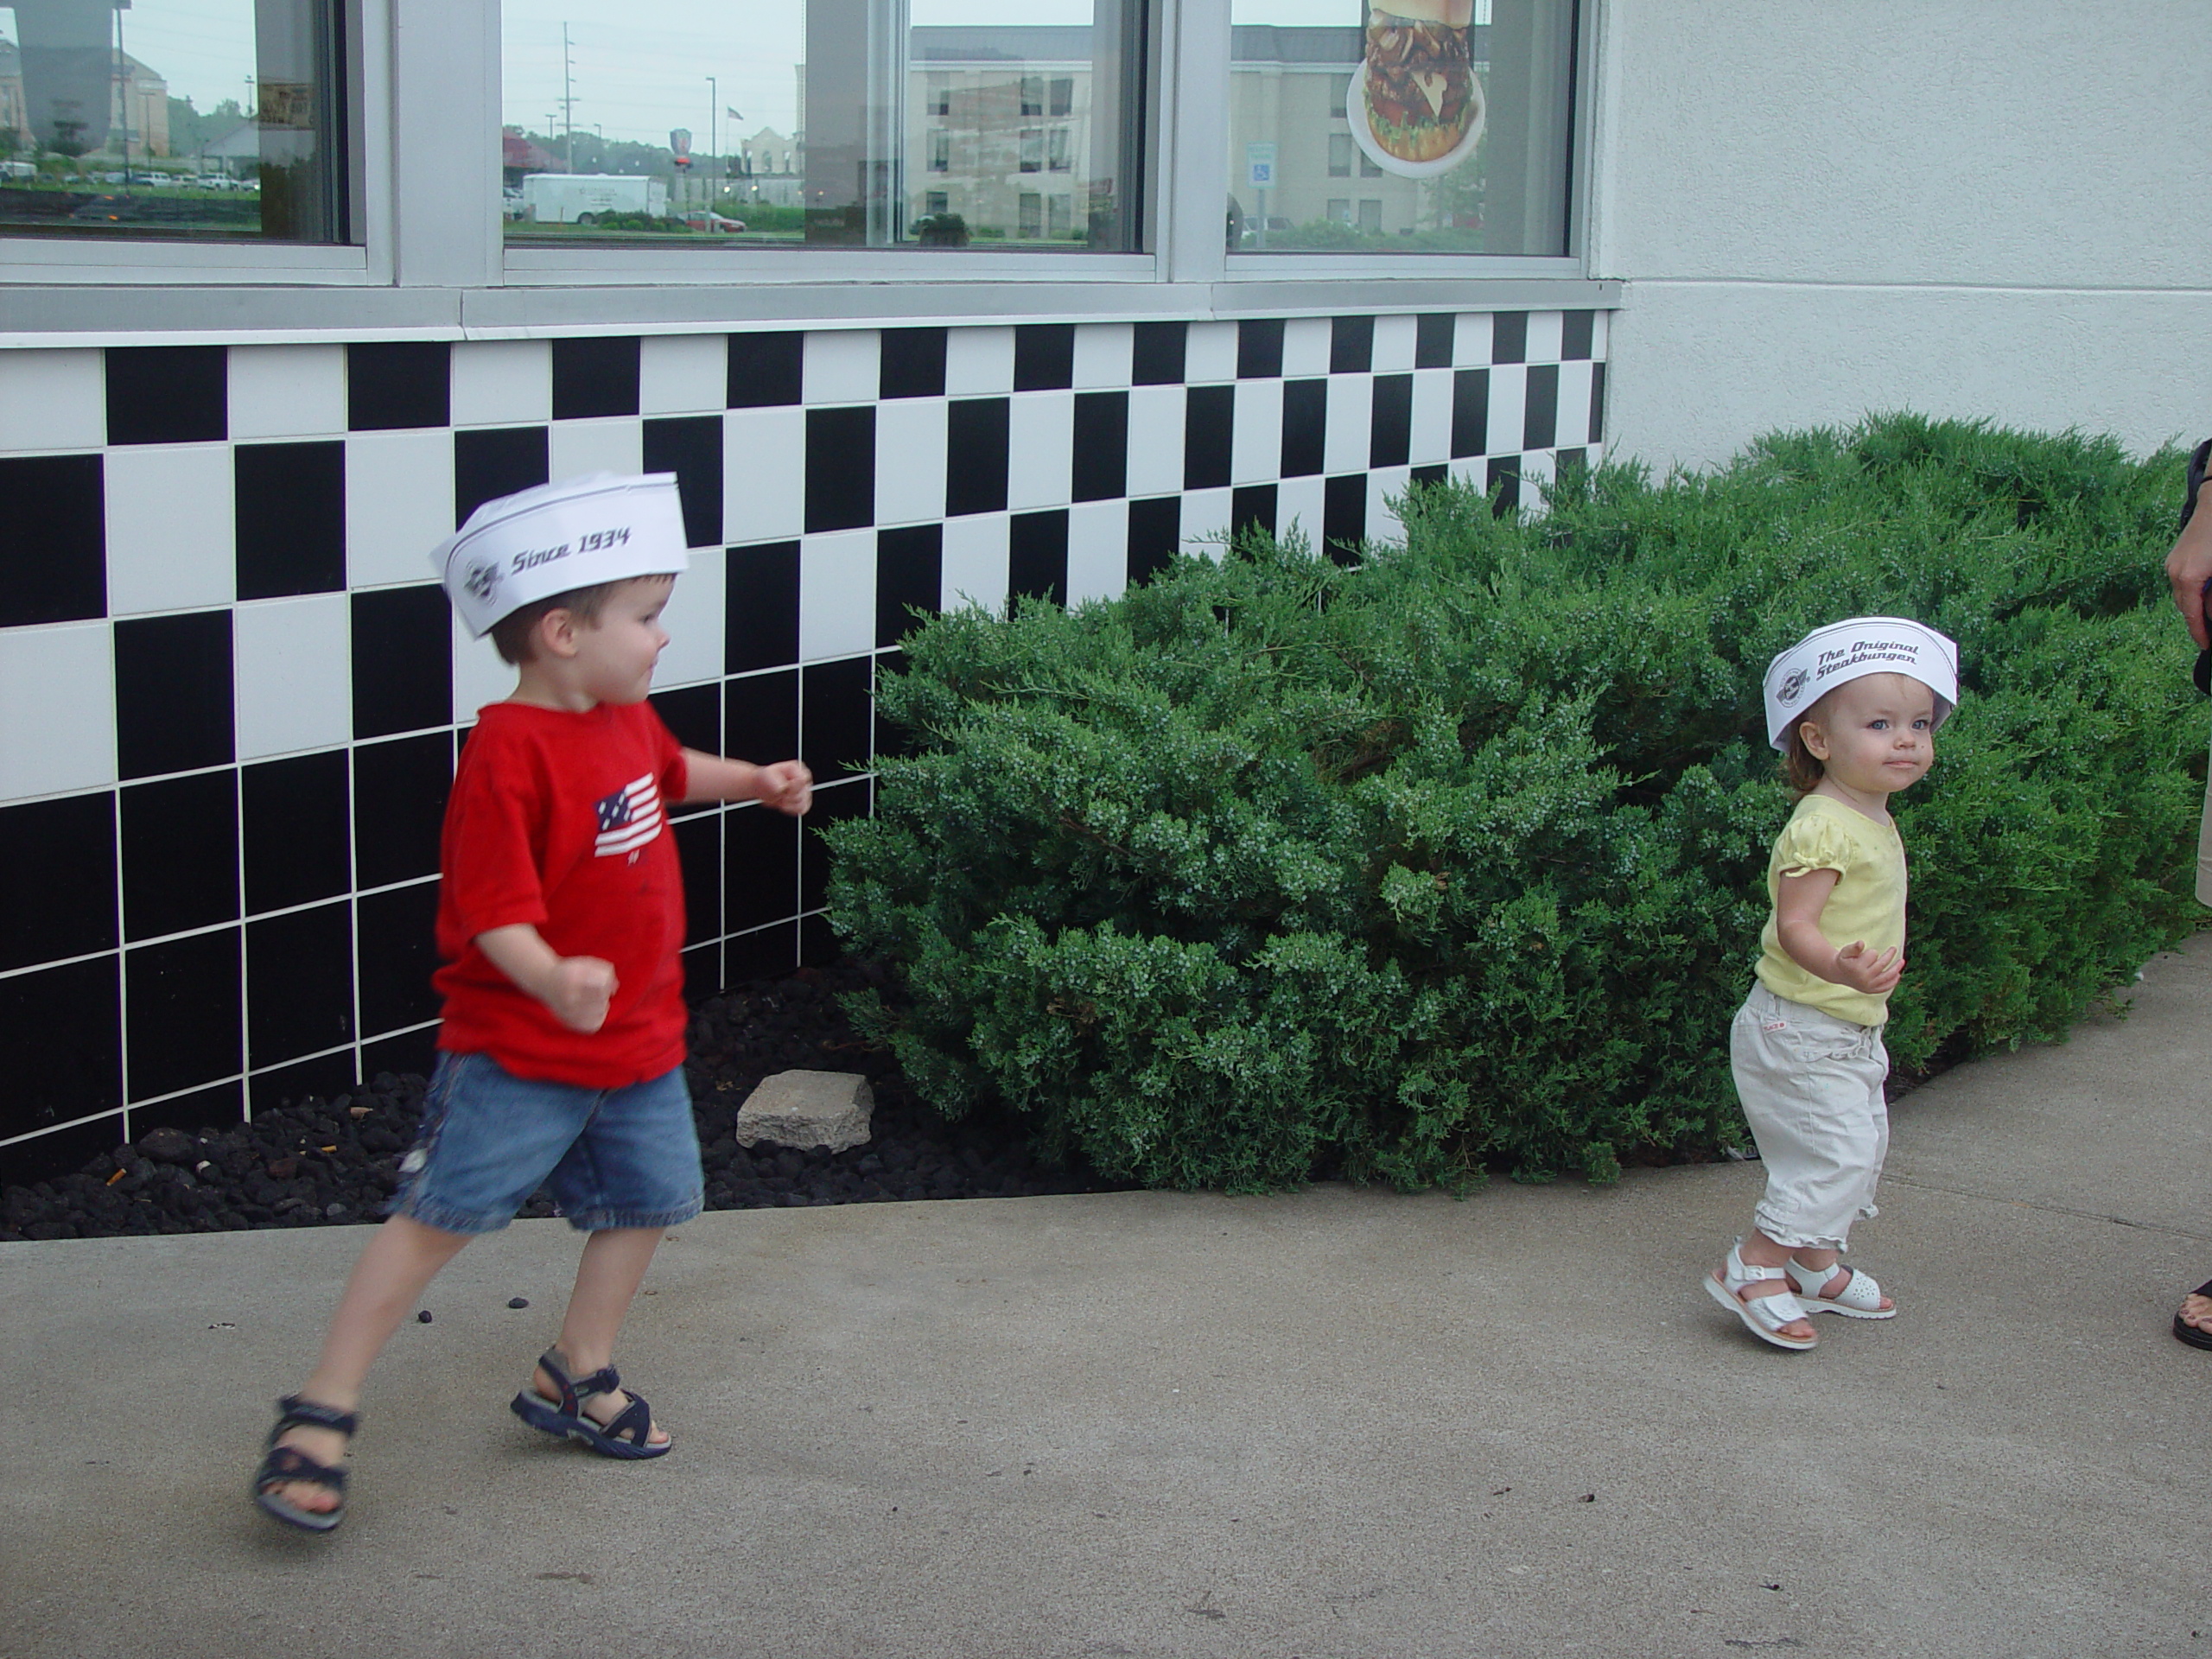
628	1436
1763	1316
282	1465
1861	1298
2190	1333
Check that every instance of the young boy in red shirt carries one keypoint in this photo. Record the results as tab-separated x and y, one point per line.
559	921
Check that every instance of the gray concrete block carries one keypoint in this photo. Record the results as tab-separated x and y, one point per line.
808	1109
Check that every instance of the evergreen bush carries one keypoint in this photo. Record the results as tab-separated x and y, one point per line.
1435	858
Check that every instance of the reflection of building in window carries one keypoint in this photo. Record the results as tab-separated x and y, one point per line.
940	152
1031	222
137	105
770	170
939	101
1340	149
1371	214
1033	95
1032	149
1339	210
999	88
1059	218
1056	153
935	201
1063	100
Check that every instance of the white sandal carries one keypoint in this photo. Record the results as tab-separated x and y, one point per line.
1861	1298
1763	1316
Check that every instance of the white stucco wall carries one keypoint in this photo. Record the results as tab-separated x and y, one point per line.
1821	208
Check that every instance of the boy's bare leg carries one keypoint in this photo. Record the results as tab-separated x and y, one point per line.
607	1277
398	1263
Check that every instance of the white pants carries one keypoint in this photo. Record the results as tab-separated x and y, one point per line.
1811	1085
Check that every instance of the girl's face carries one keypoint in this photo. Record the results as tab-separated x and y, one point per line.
1875	735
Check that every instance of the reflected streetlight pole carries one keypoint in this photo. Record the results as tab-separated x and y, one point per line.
714	113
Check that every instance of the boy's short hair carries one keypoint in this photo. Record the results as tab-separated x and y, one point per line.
514	634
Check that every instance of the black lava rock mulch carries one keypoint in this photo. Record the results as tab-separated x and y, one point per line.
335	1162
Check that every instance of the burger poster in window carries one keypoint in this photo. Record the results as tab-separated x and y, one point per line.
1415	106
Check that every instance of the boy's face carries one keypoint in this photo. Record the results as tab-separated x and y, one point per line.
615	656
1875	735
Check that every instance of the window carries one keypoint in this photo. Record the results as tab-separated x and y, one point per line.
1339	210
899	122
1371	214
1059	220
173	118
1340	155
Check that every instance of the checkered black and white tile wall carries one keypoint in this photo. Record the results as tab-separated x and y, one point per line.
230	696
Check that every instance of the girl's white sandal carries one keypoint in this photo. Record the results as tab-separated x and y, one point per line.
1861	1298
1763	1316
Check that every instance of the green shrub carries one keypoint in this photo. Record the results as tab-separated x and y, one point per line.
1453	856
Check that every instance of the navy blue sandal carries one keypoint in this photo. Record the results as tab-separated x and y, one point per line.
627	1436
283	1463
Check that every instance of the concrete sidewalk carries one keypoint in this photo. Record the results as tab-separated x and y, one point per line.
1335	1424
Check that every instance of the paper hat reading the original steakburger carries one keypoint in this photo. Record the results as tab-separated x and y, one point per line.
558	538
1844	651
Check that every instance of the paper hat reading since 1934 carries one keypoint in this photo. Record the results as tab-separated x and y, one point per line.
1844	651
558	538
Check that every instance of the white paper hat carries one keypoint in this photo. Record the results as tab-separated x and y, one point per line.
558	538
1844	651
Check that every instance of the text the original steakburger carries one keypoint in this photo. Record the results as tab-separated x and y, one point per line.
1420	76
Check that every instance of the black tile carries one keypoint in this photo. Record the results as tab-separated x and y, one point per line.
690	446
909	576
1470	413
1209	433
413	1052
399	807
770	953
172	695
1343	516
402	660
694	714
836	721
1155	534
1596	402
496	461
182	1013
325	1077
912	364
61	1029
1504	484
1578	332
840	468
1571	464
1102	446
1037	555
975	455
395	947
179	855
818	944
299	980
1043	356
218	1107
847	800
1508	337
595	375
296	819
1540	407
1433	333
699	852
891	738
1259	348
59	1151
765	369
703	971
761	717
760	607
291	519
392	384
1157	358
168	394
1252	506
53	539
61	899
760	877
1304	427
1352	345
1391	424
1436	472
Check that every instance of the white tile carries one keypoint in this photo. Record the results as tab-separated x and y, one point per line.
694	621
53	400
1508	406
1601	328
978	362
1574	404
1538	469
836	594
683	374
1304	347
1155	439
1349	438
1255	433
764	474
57	710
1205	522
1432	430
1301	502
287	391
1384	485
1104	352
612	443
171	527
294	674
1098	550
974	570
1544	331
843	366
1471	470
910	445
398	504
1210	352
1040	449
502	382
1394	344
479	675
1470	340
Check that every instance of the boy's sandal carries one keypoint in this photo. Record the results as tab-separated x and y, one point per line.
1763	1316
2195	1336
283	1465
1861	1298
630	1435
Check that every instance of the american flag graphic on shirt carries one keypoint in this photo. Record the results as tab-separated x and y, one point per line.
628	818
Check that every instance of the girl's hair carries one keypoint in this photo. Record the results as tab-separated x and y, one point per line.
1803	765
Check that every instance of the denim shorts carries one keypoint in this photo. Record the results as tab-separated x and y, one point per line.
610	1157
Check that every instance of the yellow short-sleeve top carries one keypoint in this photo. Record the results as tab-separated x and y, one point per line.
1867	902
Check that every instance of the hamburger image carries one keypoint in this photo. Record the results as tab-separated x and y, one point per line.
1419	78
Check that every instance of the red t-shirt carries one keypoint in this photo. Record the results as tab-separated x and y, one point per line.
560	820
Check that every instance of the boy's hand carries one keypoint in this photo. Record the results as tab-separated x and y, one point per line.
1876	975
579	990
787	785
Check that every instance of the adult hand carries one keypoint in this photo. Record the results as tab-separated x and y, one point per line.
2188	568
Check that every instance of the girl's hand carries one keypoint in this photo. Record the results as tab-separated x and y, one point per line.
787	785
579	990
1875	976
